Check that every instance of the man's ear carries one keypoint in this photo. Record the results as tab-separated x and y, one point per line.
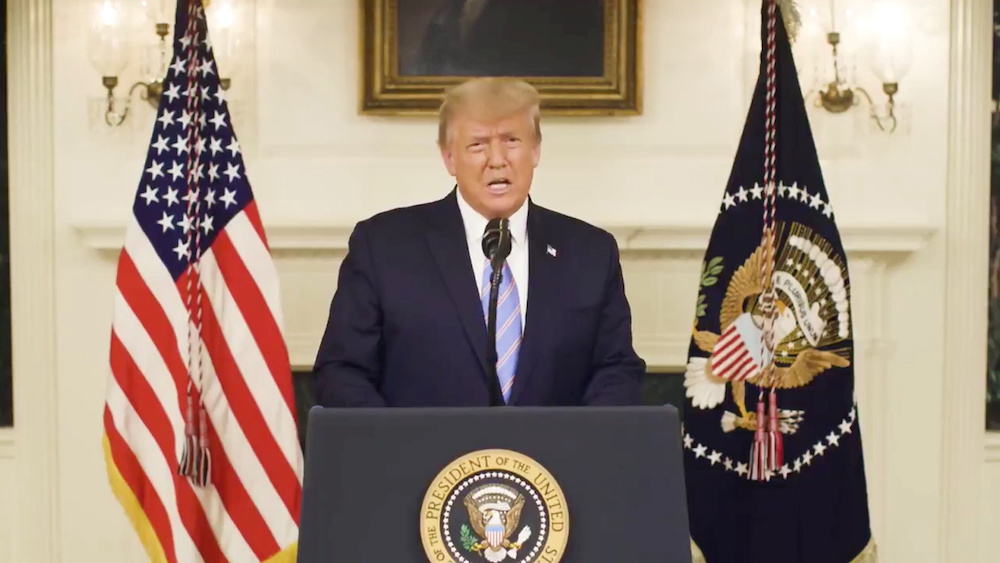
536	154
449	160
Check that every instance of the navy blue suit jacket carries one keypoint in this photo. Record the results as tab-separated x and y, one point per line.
406	327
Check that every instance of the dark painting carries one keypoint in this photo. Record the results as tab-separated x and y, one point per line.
528	38
583	56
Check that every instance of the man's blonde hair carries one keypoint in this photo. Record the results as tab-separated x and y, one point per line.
489	99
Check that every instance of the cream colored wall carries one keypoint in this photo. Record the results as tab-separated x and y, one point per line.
906	211
991	490
7	509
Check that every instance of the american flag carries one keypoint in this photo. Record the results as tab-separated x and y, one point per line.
200	434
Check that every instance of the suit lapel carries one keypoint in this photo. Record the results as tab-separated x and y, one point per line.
446	239
542	281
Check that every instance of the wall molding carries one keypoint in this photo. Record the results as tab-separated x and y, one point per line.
32	235
7	443
966	280
873	348
889	240
992	450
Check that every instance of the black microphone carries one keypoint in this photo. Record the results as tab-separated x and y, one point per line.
496	241
496	247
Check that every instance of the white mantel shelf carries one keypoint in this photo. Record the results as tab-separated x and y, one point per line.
6	443
887	239
993	447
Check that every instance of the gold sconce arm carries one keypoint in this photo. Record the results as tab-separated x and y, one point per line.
838	97
890	89
149	91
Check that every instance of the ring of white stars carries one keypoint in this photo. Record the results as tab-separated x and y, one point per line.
742	467
793	192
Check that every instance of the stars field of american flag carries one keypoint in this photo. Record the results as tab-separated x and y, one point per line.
200	436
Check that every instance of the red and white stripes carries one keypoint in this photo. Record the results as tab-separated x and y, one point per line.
250	510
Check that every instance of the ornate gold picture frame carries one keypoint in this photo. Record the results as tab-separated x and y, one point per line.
584	56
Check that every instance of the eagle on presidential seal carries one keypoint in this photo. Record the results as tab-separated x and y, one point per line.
495	512
812	319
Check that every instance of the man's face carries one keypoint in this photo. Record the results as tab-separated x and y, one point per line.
492	162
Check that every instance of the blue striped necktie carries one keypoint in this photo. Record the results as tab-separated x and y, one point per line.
508	325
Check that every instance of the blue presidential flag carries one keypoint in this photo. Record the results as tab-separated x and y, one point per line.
772	441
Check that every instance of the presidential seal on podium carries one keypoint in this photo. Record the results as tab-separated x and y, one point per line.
495	506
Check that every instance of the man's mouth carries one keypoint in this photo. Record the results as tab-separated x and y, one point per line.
500	185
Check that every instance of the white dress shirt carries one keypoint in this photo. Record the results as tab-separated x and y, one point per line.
517	260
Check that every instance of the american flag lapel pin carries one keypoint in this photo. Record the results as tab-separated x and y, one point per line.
550	250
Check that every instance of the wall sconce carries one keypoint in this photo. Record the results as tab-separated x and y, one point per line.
142	30
885	44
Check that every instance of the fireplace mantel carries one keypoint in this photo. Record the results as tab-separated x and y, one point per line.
887	239
661	264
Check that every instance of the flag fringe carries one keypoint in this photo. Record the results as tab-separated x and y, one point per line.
792	17
133	509
868	555
144	528
696	555
287	555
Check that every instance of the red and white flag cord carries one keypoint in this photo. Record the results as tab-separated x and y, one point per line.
767	452
196	460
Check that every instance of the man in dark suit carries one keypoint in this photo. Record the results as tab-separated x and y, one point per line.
407	323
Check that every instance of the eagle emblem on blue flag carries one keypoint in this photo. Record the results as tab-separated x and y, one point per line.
772	439
812	321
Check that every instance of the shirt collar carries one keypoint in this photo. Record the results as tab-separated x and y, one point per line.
475	223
